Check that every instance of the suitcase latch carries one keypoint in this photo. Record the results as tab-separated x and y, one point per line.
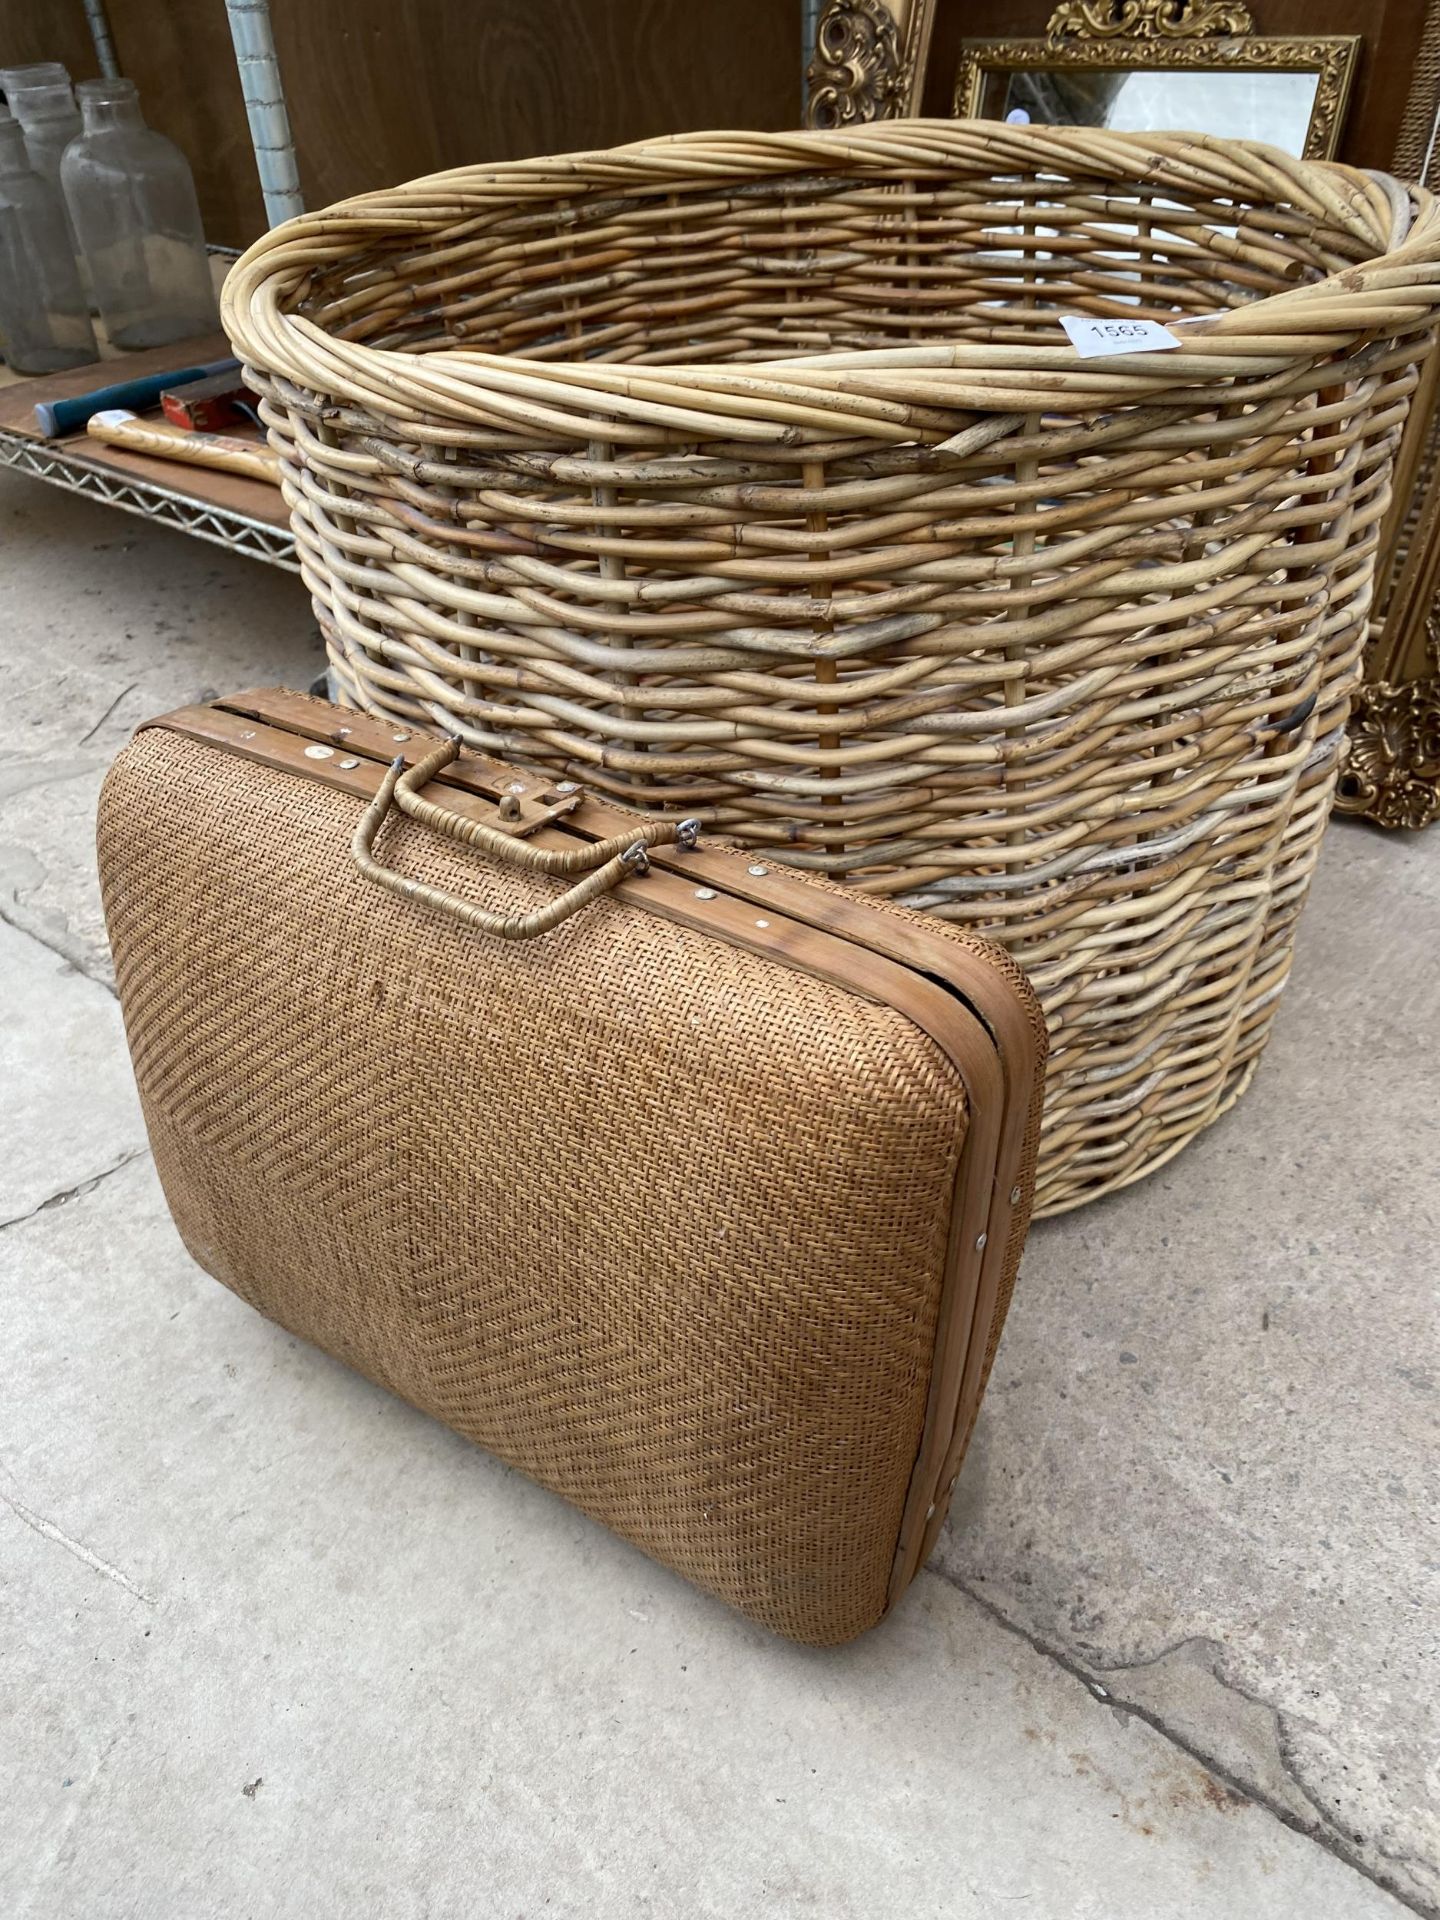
511	817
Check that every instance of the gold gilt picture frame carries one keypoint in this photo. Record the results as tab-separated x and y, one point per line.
1104	37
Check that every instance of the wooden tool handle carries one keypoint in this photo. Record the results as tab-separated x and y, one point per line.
121	429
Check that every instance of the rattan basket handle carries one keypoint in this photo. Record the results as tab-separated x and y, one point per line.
504	846
515	926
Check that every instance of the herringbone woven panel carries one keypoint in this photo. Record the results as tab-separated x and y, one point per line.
555	1194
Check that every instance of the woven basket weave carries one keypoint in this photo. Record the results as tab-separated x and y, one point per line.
752	475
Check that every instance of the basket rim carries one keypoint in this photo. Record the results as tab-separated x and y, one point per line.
870	393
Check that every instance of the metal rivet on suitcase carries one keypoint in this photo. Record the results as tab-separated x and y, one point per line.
349	763
762	923
758	872
704	893
567	786
980	1242
399	736
319	753
1014	1196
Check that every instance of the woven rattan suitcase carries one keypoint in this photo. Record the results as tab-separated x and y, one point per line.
691	1187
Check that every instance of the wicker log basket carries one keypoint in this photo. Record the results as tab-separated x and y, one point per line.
752	475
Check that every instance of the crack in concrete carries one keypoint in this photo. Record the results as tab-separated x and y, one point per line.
90	734
74	1193
52	946
1207	1654
1321	1830
19	776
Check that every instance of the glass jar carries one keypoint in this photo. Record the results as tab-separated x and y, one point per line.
41	99
40	73
132	203
44	315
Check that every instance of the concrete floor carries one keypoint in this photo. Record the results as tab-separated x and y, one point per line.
275	1644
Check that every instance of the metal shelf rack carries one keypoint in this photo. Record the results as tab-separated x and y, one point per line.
63	465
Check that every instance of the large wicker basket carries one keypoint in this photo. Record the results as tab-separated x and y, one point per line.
753	475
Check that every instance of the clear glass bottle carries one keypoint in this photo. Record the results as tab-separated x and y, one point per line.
44	315
132	203
41	99
40	73
12	79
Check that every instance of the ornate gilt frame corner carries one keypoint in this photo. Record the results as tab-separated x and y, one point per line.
1170	35
1390	774
869	61
1390	770
1390	763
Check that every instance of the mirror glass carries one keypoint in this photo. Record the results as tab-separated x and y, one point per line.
1235	104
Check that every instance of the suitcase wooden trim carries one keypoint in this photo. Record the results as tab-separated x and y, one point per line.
966	995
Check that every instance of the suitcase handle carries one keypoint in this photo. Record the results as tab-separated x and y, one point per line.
504	846
523	926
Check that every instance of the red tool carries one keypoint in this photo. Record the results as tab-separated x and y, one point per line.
210	406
